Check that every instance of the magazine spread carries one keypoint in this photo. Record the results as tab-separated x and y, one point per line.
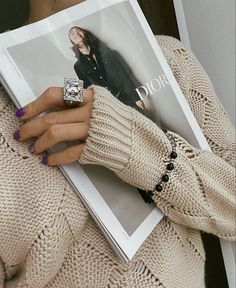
131	65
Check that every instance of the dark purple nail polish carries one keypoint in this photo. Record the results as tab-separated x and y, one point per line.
32	148
16	135
20	112
45	159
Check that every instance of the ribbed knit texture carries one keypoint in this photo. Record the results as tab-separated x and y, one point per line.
47	238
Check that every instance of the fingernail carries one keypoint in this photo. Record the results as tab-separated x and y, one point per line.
16	135
20	112
45	159
32	148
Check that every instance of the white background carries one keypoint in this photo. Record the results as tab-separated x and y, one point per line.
211	34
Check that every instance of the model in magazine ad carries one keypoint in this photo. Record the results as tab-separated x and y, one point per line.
98	65
53	243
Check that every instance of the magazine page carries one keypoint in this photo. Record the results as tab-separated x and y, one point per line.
40	55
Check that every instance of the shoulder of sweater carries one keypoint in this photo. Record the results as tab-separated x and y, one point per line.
169	43
175	52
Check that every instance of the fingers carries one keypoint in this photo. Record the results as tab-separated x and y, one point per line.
52	98
38	126
140	104
58	133
88	96
66	156
55	127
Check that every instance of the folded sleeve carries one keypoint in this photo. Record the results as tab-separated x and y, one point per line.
200	191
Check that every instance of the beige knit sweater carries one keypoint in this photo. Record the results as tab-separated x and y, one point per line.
47	238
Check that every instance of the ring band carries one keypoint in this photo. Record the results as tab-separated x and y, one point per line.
73	92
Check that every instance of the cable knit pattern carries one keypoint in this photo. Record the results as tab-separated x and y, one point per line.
48	240
129	147
200	94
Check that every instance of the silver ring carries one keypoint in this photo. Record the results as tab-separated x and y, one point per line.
73	92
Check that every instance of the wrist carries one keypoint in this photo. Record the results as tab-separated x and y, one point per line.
126	142
109	136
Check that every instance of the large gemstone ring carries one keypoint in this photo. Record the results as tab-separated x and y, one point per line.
73	92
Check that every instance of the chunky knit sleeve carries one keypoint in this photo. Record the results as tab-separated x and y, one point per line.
201	96
200	192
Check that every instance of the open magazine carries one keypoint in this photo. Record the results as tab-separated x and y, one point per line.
40	55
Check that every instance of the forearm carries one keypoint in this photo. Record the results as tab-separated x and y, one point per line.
201	193
200	190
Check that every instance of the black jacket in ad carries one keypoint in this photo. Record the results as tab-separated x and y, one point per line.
108	70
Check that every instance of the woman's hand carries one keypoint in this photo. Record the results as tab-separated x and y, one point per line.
140	104
57	125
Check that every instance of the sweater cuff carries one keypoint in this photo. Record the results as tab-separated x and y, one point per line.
125	141
109	136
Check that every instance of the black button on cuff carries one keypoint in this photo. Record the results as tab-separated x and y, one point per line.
173	155
170	166
165	178
159	188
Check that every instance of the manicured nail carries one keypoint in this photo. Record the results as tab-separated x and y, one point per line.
16	135
32	148
45	159
20	112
